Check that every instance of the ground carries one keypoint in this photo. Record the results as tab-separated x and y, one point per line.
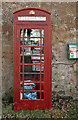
62	107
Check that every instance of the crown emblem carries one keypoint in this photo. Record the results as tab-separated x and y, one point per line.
32	12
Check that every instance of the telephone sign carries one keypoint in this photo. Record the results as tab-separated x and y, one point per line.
73	51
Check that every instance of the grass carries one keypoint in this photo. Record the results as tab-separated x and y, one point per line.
68	110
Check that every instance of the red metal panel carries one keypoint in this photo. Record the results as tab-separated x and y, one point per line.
25	9
44	103
15	66
38	12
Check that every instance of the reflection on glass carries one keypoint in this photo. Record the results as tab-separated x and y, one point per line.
35	68
21	59
42	41
32	50
42	59
31	32
25	32
27	50
32	60
21	50
42	68
42	50
32	41
31	68
35	57
21	41
42	32
36	62
31	77
21	68
35	51
21	86
21	32
21	95
30	85
31	95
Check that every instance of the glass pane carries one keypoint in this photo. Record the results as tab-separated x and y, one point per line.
21	59
35	50
42	59
32	41
42	68
42	41
21	32
31	32
42	50
27	68
31	68
32	59
35	57
31	50
42	32
30	86
35	68
31	77
42	95
27	59
21	86
21	50
21	68
36	62
21	77
31	95
26	32
21	95
27	50
21	41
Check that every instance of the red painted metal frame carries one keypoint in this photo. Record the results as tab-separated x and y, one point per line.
38	103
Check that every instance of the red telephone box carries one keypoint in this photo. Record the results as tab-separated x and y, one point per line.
32	59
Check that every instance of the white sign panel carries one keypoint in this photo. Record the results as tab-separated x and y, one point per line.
31	18
73	51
